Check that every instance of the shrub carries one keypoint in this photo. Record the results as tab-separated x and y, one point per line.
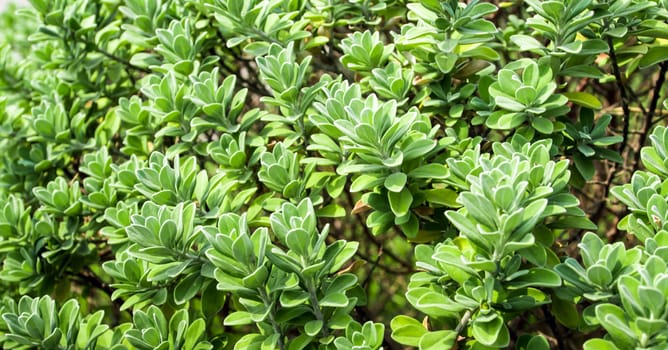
312	174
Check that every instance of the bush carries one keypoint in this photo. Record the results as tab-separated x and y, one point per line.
302	174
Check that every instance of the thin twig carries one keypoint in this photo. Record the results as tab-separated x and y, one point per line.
121	60
376	263
622	93
625	132
651	111
464	321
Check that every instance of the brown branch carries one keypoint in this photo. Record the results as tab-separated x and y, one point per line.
622	94
651	111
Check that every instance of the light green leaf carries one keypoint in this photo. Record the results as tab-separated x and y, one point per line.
332	211
238	318
438	340
653	56
312	328
599	344
509	104
526	42
491	331
599	275
407	330
542	125
535	277
395	182
482	52
429	171
400	202
583	99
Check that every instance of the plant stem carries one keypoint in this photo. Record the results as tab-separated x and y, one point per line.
301	124
274	325
651	111
657	89
121	60
622	93
315	305
625	131
464	321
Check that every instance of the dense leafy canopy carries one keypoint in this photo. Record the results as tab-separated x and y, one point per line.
322	174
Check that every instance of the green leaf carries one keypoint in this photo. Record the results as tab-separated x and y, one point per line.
509	104
270	342
615	321
348	251
194	335
565	312
365	182
407	330
438	340
653	56
583	99
298	241
331	211
526	42
482	52
584	165
166	271
491	331
336	185
618	32
400	202
335	300
411	227
417	149
433	303
257	278
599	344
535	277
395	182
312	328
187	288
599	275
292	298
300	342
536	342
480	208
573	48
446	62
526	95
442	196
542	125
586	150
469	230
429	171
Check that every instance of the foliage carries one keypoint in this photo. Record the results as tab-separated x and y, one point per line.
316	174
